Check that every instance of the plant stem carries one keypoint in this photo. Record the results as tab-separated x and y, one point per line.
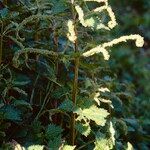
1	48
44	102
74	96
1	42
75	84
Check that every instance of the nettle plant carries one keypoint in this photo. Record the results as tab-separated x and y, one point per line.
58	46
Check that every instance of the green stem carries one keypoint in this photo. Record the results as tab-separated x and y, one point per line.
44	102
74	97
1	40
1	48
33	90
75	83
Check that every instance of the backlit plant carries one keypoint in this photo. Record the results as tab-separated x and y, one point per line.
68	105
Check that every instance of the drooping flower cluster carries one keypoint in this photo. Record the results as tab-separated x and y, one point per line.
111	24
102	48
139	41
71	31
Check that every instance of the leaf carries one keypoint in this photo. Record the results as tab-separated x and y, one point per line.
117	104
3	13
17	146
129	146
45	69
84	102
132	122
53	131
98	115
59	92
21	79
53	135
88	83
11	113
22	103
37	126
54	143
36	147
67	105
121	126
16	41
101	143
20	91
59	6
68	147
20	83
112	133
84	129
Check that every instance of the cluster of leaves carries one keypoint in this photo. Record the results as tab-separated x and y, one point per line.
36	82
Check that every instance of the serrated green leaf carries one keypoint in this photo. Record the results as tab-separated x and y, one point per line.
22	103
112	133
20	83
68	147
11	113
84	129
129	146
3	13
93	113
20	91
53	131
88	83
37	126
35	147
59	6
54	143
53	135
101	143
59	92
67	105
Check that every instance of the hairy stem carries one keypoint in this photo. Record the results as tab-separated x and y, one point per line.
44	102
75	83
74	96
1	41
55	41
1	48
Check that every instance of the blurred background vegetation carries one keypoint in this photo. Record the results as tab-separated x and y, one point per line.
132	65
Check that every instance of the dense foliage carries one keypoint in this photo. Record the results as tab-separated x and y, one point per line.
52	96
